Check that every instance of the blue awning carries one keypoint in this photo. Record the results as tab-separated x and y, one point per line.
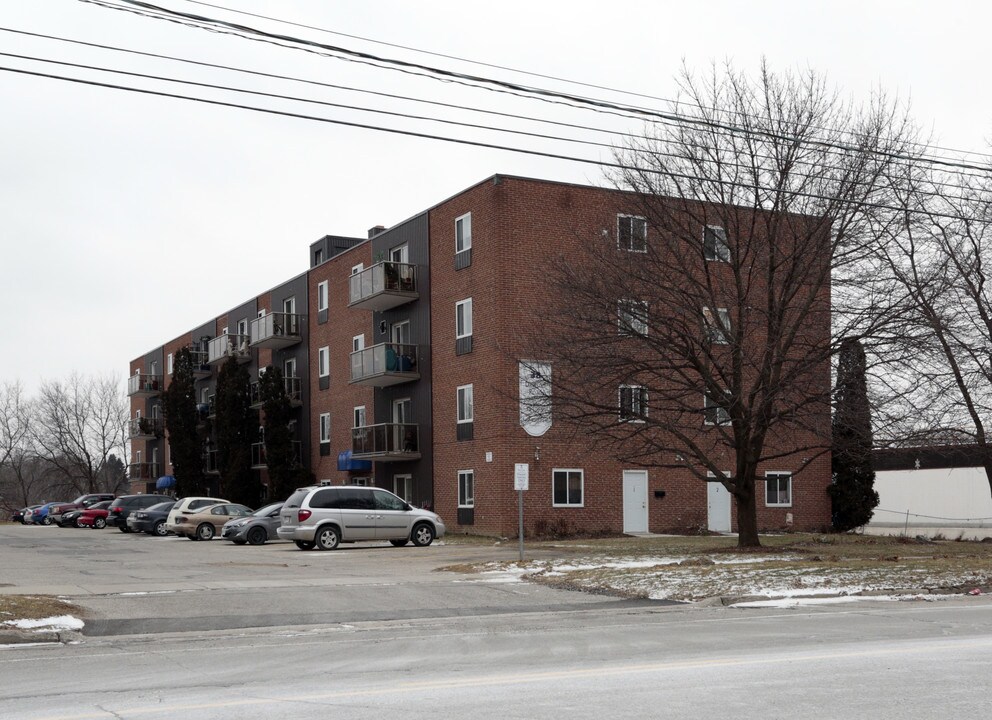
166	481
346	463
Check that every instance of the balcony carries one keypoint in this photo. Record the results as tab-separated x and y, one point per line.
294	391
386	442
143	471
224	346
276	330
145	428
201	367
258	459
383	286
144	385
384	365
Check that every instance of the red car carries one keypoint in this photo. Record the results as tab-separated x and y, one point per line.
93	517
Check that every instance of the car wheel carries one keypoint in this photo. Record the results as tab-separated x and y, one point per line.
205	532
256	536
239	542
158	529
46	521
304	545
99	523
423	534
327	538
400	543
75	522
123	528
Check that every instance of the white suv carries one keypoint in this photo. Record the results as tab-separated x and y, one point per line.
324	516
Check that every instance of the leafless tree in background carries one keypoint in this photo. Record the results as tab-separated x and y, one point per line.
933	270
79	425
700	328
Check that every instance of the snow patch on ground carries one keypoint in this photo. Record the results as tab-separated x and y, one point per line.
58	622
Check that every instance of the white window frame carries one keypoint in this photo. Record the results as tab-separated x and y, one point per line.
407	480
169	364
778	475
631	414
463	392
289	368
324	428
463	322
632	316
359	416
322	296
324	361
629	219
721	247
363	481
718	327
722	414
466	488
463	239
400	254
358	343
582	487
355	269
260	313
243	326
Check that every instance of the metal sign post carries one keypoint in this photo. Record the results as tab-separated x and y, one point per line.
521	479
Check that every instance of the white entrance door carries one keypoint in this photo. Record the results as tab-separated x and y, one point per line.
717	507
635	501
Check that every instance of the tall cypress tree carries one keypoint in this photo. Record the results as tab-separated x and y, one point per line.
278	412
185	443
852	494
235	429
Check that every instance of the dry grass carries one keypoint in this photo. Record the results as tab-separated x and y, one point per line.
32	607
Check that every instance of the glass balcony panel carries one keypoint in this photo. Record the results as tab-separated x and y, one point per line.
383	286
144	428
144	385
384	365
386	442
276	330
224	346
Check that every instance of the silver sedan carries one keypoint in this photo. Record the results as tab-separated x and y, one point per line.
255	529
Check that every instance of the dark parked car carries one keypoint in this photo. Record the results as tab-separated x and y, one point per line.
18	515
255	529
82	502
151	520
127	504
71	518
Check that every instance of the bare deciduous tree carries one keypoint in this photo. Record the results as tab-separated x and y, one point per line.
79	424
700	332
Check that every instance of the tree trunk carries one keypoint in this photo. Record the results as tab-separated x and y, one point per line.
747	518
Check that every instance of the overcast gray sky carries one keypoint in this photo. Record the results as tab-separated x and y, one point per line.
127	220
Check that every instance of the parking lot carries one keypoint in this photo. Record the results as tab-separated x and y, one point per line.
132	584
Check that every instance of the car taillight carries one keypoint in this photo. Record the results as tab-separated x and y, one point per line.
180	519
303	515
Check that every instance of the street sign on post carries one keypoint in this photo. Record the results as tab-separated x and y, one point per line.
521	479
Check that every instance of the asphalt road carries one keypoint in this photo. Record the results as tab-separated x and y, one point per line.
383	636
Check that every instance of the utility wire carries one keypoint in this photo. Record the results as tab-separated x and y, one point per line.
673	103
652	151
493	84
462	141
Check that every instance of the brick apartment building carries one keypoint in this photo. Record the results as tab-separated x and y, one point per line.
400	353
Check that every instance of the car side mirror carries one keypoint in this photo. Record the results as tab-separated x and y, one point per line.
407	507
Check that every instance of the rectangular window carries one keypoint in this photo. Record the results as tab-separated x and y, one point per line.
403	487
713	412
463	318
168	364
717	325
567	488
632	233
463	233
243	326
359	416
325	428
363	481
358	343
633	403
260	313
632	316
324	362
355	269
715	245
466	488
778	489
466	409
322	296
318	256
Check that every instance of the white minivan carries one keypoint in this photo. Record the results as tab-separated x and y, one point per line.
321	517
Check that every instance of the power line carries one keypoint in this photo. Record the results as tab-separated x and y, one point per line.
490	83
460	141
579	83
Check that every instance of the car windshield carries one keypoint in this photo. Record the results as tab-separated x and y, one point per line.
262	512
79	500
